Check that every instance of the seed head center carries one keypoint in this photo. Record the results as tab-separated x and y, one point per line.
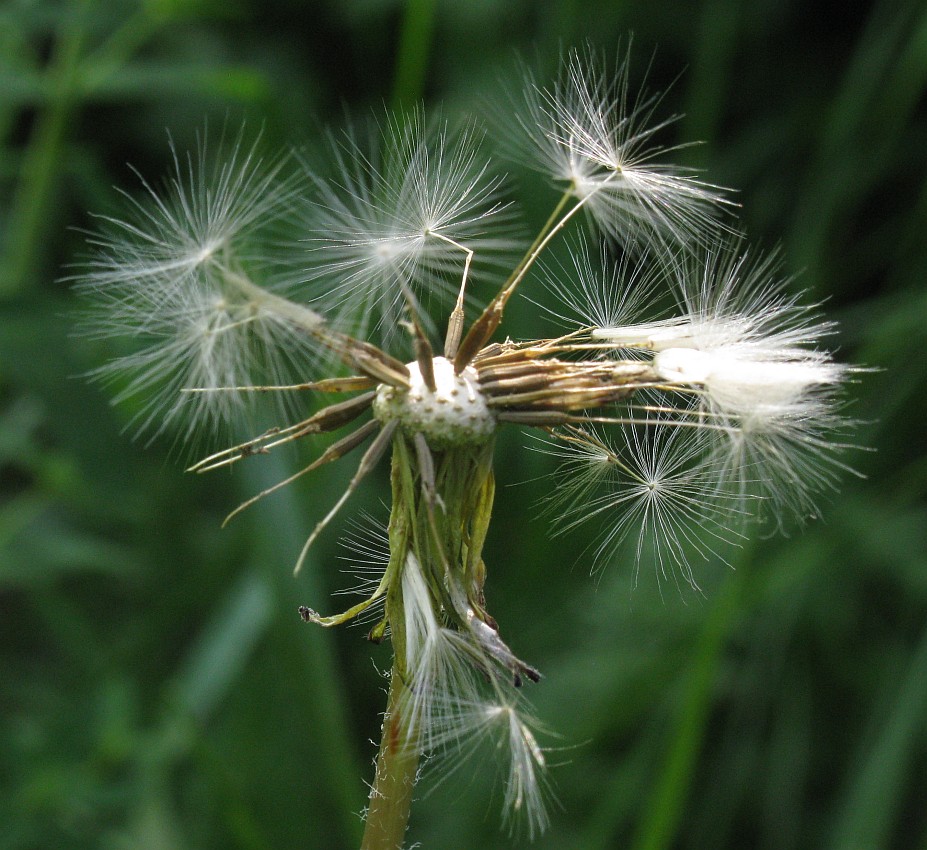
454	414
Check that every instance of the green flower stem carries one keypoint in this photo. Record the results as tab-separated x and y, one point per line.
397	764
447	541
397	761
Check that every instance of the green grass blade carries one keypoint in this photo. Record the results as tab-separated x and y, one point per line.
660	819
412	54
871	806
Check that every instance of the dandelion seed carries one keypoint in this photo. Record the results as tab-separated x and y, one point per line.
367	556
176	276
208	205
585	132
660	488
601	293
404	210
471	726
441	660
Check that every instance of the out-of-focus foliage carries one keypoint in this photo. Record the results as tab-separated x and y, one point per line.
156	687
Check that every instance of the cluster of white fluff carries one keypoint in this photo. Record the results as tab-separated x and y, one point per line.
745	355
737	415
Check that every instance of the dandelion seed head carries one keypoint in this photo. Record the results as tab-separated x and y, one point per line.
669	427
454	413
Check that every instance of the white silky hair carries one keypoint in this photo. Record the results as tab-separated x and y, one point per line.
390	220
584	130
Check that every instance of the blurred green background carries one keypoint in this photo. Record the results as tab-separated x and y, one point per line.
157	689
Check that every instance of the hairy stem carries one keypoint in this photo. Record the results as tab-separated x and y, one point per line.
397	763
